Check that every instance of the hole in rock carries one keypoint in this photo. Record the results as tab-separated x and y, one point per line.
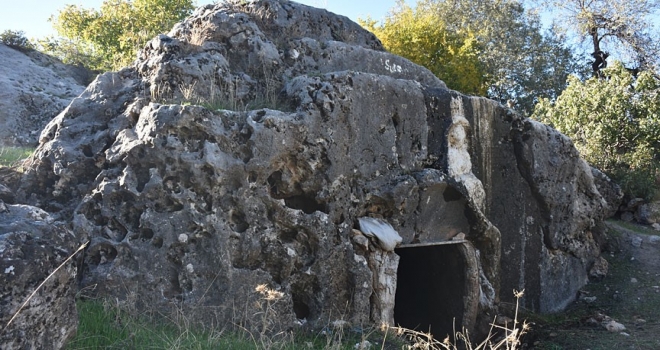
143	176
431	287
288	236
146	233
273	181
300	308
87	151
237	222
101	253
307	204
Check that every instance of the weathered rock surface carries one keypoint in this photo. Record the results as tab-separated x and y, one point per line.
648	213
546	201
32	245
196	206
34	88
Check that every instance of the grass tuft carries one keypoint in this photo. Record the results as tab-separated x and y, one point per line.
12	156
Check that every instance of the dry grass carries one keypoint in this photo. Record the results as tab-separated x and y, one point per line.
508	340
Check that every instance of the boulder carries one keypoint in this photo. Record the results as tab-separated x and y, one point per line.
632	205
35	88
32	246
243	148
648	213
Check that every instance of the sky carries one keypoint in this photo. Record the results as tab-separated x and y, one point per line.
31	16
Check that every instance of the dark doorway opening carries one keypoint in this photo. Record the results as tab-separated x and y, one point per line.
431	286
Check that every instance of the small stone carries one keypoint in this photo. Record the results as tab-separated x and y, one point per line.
633	280
589	300
190	268
459	237
654	239
361	241
614	326
637	241
626	334
183	238
599	270
656	226
363	345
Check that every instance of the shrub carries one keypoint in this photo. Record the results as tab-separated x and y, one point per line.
16	39
110	37
614	121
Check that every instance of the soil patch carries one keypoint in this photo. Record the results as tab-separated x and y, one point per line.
629	295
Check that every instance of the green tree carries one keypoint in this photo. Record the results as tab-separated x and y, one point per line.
614	123
109	38
504	52
424	38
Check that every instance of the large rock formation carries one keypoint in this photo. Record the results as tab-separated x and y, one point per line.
191	205
37	311
34	88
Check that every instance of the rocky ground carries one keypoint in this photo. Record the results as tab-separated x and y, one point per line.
629	295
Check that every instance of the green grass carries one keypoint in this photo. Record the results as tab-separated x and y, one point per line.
637	228
103	326
107	327
10	156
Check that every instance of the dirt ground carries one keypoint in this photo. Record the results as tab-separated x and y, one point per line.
629	295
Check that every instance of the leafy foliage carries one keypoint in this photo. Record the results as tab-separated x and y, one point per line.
614	123
425	39
11	156
109	38
482	47
16	39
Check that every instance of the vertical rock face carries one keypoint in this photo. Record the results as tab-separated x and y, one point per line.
545	200
243	148
32	246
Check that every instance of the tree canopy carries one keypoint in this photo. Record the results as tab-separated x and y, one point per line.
483	47
109	38
614	122
424	37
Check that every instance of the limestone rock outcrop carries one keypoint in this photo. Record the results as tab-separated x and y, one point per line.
32	246
34	88
243	148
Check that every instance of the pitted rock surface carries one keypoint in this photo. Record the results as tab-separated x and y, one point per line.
32	246
242	148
